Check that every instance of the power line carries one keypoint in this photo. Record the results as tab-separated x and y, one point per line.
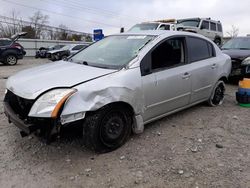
57	13
98	10
46	27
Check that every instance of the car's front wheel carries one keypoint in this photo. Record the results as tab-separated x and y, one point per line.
10	60
218	94
107	128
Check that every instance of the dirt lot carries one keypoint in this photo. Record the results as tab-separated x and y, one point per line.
199	147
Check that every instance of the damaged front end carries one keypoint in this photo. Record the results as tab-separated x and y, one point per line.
34	116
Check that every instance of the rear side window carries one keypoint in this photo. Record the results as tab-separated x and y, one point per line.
199	49
219	27
78	47
205	25
213	26
5	42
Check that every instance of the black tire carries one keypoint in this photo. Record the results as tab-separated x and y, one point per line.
107	128
217	41
10	60
64	57
218	94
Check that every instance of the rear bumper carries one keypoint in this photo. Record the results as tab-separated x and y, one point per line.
13	117
21	54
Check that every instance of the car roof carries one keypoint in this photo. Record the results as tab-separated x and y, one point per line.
155	22
161	33
73	45
207	19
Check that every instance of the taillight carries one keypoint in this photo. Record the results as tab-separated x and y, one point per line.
16	45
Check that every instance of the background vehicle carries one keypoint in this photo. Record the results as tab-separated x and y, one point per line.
64	52
10	50
117	85
156	25
239	50
42	52
205	26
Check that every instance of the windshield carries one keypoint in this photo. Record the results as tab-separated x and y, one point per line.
191	23
145	26
237	43
112	52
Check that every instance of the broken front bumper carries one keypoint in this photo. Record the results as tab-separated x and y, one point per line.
21	124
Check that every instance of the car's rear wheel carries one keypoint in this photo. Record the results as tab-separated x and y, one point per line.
218	94
107	129
64	57
10	60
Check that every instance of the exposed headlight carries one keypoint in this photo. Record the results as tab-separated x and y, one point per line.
246	61
49	104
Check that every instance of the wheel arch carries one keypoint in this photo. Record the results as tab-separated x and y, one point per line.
120	104
7	53
224	79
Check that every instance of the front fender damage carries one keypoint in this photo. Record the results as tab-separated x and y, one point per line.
92	99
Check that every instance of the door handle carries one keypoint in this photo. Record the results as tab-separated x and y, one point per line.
186	75
213	66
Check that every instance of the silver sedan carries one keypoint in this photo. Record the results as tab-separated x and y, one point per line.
117	85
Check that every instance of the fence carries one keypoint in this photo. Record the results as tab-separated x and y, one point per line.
32	45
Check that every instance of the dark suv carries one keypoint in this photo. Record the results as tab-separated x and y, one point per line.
10	50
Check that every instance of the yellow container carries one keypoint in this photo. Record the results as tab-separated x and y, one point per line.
245	83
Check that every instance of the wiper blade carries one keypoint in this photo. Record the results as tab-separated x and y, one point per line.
100	66
244	48
80	62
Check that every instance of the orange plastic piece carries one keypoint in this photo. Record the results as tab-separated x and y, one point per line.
245	83
60	104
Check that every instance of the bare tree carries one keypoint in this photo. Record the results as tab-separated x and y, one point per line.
62	34
39	21
233	32
10	25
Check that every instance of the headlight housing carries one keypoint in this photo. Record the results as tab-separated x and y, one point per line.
50	103
246	61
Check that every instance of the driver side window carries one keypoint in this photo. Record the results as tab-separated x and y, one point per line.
168	54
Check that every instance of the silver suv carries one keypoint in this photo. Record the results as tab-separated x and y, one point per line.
204	26
117	85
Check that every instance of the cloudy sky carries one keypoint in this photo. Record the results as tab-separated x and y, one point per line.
110	15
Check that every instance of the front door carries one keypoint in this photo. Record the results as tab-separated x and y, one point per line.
168	86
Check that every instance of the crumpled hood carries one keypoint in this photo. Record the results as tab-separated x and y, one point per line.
32	82
237	54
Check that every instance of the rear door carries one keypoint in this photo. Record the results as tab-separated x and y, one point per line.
166	80
202	59
4	44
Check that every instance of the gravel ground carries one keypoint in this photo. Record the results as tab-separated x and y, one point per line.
198	147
